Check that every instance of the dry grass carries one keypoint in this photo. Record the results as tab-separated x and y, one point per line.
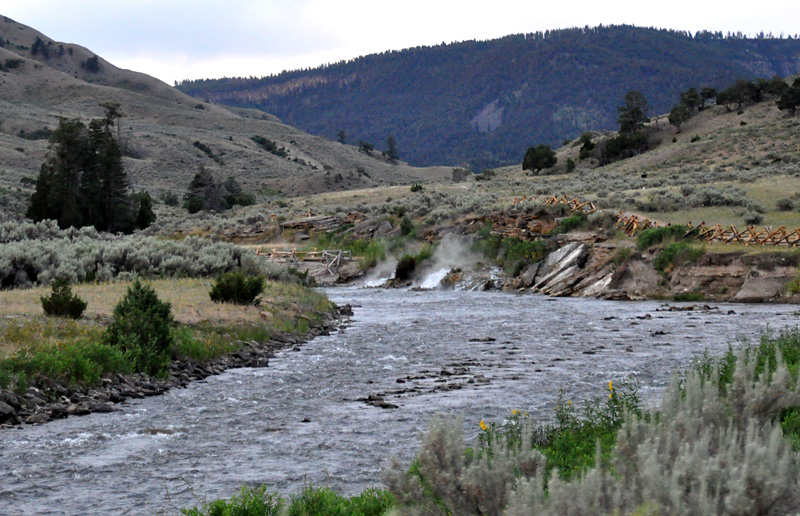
22	319
188	297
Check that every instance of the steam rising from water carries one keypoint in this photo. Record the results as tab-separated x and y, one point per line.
381	273
454	251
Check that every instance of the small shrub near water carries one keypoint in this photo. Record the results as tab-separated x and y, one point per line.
237	287
310	502
141	328
62	302
405	267
676	254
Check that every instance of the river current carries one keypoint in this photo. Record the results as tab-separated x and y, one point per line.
302	420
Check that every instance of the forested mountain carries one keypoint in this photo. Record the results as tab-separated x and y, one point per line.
482	103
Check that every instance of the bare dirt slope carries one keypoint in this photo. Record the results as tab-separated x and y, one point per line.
160	129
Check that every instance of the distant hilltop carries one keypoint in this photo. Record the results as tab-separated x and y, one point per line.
482	103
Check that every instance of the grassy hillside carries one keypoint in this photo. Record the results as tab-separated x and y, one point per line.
160	130
722	167
482	103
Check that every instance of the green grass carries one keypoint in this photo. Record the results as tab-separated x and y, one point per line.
310	502
81	361
570	443
370	252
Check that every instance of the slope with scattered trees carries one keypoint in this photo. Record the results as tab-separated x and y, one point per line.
482	102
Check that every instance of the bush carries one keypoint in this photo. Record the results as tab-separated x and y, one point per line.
406	226
752	218
237	287
653	236
405	267
675	254
140	326
416	187
41	252
574	221
785	204
310	502
673	460
62	302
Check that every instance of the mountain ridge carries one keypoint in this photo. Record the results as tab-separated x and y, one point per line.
160	129
482	103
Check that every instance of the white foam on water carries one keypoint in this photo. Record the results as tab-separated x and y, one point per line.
434	279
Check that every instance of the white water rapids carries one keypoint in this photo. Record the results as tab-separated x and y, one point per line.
299	421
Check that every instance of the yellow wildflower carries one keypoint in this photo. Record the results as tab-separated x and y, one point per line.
610	388
483	426
514	412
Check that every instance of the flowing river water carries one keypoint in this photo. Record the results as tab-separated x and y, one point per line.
299	421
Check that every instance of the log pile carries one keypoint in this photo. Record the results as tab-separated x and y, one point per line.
325	223
525	226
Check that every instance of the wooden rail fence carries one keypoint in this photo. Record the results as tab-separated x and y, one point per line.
329	260
552	200
751	235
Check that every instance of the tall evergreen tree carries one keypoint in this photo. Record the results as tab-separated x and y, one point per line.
391	149
83	181
633	114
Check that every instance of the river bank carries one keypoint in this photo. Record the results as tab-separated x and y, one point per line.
301	420
590	264
47	399
51	368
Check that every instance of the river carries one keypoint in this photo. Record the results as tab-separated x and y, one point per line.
299	421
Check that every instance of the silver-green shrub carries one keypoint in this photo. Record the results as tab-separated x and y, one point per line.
39	253
709	449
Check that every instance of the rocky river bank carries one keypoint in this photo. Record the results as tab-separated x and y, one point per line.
46	399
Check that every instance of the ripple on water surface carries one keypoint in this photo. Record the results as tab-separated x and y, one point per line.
308	418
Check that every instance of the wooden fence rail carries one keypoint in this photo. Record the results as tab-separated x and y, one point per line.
329	260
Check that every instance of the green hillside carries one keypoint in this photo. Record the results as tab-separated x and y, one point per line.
482	103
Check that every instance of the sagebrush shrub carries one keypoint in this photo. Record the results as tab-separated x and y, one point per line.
62	302
140	326
714	446
237	287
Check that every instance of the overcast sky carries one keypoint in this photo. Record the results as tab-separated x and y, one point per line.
194	39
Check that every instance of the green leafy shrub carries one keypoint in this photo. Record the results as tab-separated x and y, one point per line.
62	302
690	296
237	287
416	187
140	326
653	236
571	223
249	502
675	254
